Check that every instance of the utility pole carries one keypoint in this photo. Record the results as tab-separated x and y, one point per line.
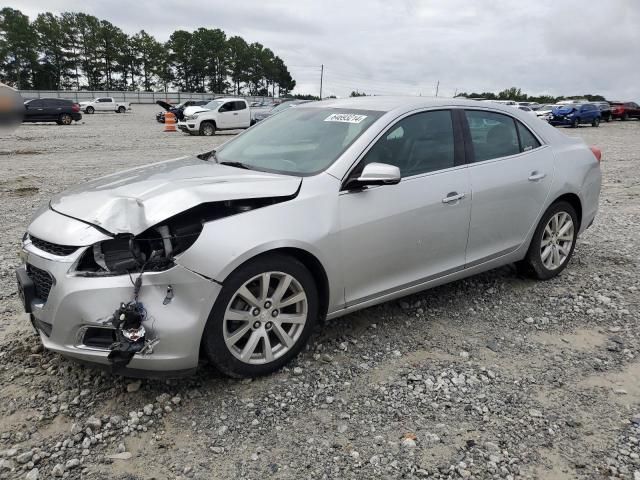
437	87
321	75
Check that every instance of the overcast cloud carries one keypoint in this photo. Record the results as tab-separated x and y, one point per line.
406	46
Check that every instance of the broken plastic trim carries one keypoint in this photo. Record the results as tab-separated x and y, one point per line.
130	334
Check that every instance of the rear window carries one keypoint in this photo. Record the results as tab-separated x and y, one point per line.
493	135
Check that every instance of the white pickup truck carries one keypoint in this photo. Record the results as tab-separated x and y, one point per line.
218	114
104	104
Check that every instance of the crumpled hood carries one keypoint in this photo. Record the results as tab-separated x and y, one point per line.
563	110
136	199
194	109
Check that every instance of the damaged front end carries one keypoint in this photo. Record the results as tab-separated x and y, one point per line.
102	280
154	250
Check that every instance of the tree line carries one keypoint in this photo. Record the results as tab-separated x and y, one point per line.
79	51
518	95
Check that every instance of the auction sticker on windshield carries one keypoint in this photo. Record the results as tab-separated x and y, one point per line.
345	117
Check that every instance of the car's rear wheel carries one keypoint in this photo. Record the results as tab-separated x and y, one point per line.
207	129
262	318
553	242
624	117
90	110
65	119
575	123
121	109
596	122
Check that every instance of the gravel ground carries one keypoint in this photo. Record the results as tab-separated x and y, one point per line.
495	376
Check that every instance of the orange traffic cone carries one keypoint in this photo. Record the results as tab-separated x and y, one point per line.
170	122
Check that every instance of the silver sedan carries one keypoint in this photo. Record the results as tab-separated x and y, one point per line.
324	209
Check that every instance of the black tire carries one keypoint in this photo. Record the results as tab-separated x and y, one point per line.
625	117
64	119
90	110
121	110
208	129
532	265
575	123
213	343
607	118
595	122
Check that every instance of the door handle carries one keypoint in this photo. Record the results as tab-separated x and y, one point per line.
236	113
535	176
453	197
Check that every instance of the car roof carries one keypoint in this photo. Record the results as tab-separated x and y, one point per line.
392	103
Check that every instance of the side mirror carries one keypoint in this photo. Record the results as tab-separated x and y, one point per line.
376	174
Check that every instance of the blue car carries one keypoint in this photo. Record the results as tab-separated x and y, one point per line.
575	114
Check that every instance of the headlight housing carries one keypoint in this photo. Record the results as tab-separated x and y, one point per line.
151	251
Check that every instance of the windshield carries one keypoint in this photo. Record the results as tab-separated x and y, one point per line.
212	105
300	141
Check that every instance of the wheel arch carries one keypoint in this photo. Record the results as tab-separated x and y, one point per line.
311	262
573	200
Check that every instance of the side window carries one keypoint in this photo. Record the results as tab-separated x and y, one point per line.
36	104
226	107
493	135
527	140
421	143
240	105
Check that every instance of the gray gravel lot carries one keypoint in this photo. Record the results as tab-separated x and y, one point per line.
495	376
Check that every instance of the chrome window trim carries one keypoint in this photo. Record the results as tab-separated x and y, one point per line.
386	129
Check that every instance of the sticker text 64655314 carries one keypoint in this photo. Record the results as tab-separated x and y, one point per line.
345	118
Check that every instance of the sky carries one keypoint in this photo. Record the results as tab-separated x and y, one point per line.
559	47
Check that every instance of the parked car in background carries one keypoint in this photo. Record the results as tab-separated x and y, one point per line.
278	108
605	110
219	114
544	111
58	110
575	114
625	110
525	108
177	110
325	209
104	104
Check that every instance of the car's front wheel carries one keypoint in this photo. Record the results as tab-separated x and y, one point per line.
553	242
575	123
90	110
207	129
595	122
121	109
262	318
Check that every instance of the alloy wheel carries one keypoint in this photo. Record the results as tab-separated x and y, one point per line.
265	318
557	240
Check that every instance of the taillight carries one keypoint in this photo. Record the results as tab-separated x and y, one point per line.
75	107
596	152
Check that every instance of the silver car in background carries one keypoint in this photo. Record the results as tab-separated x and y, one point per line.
321	210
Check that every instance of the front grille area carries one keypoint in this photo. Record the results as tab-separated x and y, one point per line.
52	248
42	281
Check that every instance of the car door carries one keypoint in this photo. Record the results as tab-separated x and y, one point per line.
225	117
36	112
511	173
241	114
396	236
105	104
56	108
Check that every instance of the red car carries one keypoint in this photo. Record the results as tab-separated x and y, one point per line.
625	110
